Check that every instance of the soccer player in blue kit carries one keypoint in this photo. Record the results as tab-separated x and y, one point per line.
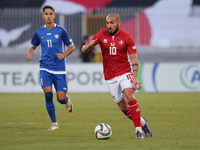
52	39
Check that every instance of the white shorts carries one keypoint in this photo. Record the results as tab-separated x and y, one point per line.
118	84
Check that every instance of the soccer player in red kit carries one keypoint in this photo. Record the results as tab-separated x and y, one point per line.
120	65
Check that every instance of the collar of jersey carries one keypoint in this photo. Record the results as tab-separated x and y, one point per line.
54	25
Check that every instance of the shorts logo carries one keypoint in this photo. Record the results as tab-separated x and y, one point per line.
64	88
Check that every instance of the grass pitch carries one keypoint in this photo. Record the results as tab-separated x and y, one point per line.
173	119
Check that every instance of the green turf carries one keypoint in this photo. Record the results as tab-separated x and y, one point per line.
173	118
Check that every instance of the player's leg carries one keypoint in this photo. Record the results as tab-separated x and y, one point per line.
63	98
123	105
116	87
144	122
50	107
128	89
61	87
134	110
126	112
46	82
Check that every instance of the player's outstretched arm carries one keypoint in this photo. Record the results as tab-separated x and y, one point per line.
69	50
30	54
88	46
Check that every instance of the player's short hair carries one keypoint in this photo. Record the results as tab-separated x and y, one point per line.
115	15
48	6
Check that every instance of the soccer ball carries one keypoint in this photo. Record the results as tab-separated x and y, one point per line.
102	131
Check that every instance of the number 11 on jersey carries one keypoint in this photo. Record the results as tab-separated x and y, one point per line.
49	42
113	50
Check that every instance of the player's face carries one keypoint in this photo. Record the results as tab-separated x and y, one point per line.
112	25
48	16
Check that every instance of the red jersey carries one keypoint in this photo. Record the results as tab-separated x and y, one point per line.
115	52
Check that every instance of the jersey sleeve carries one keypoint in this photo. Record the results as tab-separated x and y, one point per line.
96	36
66	38
131	45
35	40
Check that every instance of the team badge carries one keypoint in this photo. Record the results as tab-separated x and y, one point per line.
121	42
42	37
56	36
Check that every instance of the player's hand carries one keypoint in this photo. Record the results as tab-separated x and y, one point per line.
92	42
137	84
28	58
60	56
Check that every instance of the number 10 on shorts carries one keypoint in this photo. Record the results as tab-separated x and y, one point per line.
113	50
129	77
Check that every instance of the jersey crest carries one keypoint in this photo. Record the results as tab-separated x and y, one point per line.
121	42
56	36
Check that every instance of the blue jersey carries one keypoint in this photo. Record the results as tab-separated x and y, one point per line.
52	42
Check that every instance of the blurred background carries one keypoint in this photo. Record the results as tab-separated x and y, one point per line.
164	31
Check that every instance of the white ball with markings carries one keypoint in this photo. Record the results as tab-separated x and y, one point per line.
102	131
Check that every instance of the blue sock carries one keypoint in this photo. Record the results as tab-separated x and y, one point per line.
50	106
64	101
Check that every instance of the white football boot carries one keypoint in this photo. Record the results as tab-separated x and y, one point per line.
54	127
69	105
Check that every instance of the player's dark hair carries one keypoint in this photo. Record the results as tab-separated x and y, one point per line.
48	6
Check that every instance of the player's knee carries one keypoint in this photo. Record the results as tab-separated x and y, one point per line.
130	97
63	101
61	95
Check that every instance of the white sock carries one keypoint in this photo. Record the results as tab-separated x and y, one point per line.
55	123
142	121
138	129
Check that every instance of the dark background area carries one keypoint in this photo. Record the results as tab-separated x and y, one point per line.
20	3
117	3
38	3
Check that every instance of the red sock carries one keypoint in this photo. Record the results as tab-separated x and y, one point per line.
127	113
135	112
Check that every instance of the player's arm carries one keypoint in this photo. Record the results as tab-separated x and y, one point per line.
69	50
34	43
68	42
135	67
88	46
30	53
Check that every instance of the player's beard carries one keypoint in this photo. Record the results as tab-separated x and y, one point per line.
116	30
